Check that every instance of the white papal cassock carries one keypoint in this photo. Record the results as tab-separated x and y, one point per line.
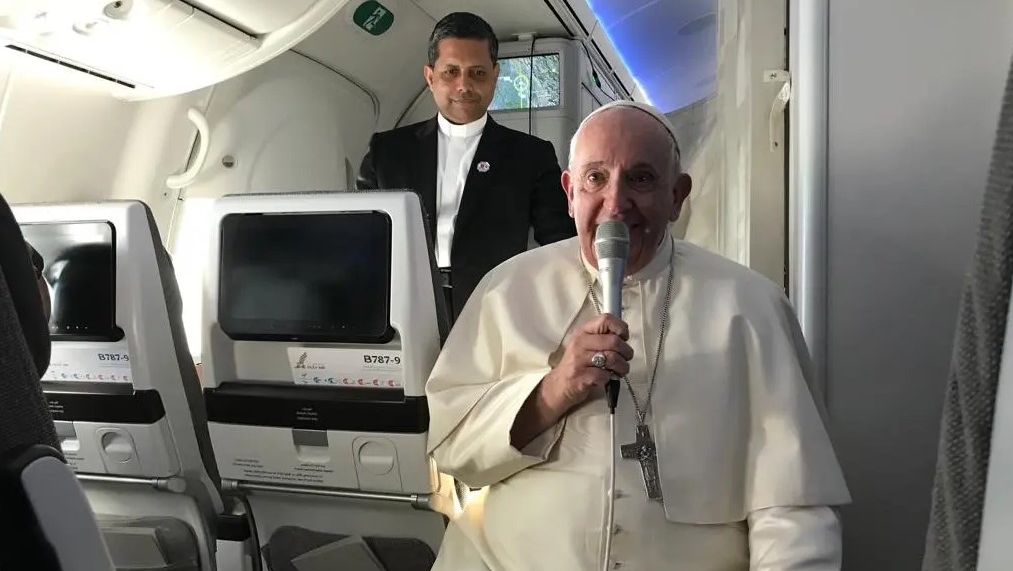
748	472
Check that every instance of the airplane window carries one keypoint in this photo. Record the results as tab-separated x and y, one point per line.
80	268
516	90
306	277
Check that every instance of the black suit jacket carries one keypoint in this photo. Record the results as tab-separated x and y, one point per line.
521	189
16	266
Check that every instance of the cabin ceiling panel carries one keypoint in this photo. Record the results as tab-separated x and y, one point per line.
507	17
256	16
670	47
388	65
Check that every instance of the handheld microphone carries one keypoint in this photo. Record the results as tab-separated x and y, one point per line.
612	247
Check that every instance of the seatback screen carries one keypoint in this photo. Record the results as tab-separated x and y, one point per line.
80	271
306	277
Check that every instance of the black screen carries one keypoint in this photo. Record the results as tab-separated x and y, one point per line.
80	269
306	277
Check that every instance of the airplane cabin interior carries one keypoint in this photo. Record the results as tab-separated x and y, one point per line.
240	339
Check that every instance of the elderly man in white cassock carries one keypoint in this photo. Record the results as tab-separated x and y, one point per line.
722	461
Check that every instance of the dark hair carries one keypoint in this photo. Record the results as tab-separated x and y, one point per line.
465	26
37	262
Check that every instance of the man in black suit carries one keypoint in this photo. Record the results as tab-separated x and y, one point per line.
482	185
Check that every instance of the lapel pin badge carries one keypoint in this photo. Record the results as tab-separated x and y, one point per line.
483	166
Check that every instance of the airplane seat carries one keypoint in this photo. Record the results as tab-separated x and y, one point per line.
45	520
442	309
321	328
46	523
122	387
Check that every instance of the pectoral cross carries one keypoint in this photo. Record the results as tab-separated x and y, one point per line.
644	451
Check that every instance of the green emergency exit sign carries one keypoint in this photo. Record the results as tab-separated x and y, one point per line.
373	17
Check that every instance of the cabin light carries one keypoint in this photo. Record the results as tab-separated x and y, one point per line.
646	96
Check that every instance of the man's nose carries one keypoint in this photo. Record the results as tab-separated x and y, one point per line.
464	83
617	199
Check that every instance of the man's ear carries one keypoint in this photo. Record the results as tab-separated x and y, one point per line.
427	73
568	189
683	187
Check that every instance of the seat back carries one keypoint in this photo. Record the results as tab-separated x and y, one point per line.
45	520
122	387
321	328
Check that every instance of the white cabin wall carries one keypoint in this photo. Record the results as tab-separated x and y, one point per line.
64	138
58	142
914	94
288	125
158	143
389	65
424	107
700	145
737	205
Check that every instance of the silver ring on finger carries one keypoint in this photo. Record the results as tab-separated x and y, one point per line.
599	360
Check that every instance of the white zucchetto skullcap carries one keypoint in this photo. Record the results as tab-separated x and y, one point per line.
648	109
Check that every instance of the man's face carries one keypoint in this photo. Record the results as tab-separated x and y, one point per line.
463	80
623	169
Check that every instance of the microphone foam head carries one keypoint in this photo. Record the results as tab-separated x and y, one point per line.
612	240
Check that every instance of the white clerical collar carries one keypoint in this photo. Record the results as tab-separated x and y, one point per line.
658	263
467	130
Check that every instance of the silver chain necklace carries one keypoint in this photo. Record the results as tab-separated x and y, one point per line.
642	412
